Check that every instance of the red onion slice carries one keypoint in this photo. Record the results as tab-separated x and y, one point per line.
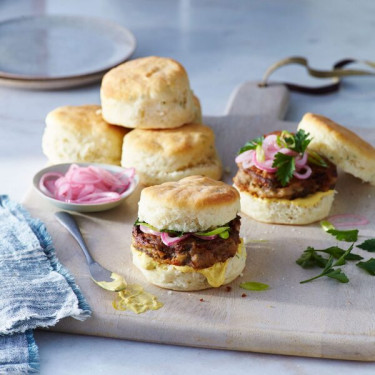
245	156
46	182
288	151
357	220
264	166
148	230
305	175
168	240
86	185
301	160
206	237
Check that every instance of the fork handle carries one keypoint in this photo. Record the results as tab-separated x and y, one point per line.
69	223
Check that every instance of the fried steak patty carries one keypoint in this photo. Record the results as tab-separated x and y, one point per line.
192	251
266	185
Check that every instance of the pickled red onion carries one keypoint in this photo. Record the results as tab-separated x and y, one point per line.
46	183
86	185
206	237
357	220
247	155
265	165
148	230
168	240
304	175
301	160
271	148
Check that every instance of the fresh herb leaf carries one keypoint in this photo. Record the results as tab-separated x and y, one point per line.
368	245
302	140
224	235
368	266
254	286
251	145
337	252
338	275
213	231
285	165
341	235
326	225
310	258
261	156
315	158
328	271
222	232
344	235
143	223
281	139
342	260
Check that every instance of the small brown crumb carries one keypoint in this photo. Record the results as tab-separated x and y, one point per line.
244	295
228	288
202	300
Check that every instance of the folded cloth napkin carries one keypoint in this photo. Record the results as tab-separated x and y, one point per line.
35	289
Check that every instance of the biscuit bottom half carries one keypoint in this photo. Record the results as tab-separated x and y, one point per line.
185	278
298	211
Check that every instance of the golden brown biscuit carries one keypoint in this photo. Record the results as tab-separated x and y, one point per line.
171	154
79	134
345	148
192	204
150	93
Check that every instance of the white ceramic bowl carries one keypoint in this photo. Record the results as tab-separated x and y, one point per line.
78	207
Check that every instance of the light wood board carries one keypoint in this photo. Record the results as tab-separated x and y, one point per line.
320	319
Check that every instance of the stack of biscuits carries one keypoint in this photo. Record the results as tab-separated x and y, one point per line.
149	119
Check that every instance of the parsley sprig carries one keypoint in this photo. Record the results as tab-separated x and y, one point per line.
286	164
329	271
311	258
251	145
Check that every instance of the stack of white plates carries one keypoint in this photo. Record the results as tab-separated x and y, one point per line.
50	52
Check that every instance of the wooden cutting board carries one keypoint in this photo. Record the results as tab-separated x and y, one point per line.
319	319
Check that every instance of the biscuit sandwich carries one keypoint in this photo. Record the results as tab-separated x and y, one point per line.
281	181
171	154
187	234
79	134
346	149
150	93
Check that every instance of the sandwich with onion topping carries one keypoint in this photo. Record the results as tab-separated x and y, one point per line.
187	234
282	182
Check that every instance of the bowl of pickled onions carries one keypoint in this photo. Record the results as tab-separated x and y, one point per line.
85	187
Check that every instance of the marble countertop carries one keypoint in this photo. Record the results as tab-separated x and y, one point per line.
221	44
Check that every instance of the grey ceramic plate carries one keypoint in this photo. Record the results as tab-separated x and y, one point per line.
63	168
61	48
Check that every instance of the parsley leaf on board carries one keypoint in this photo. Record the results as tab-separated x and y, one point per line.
254	286
368	245
344	235
310	258
341	235
368	266
285	165
342	260
338	275
251	145
328	271
337	252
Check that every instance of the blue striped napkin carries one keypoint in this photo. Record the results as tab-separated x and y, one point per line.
35	289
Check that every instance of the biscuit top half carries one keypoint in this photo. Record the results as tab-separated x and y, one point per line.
194	203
